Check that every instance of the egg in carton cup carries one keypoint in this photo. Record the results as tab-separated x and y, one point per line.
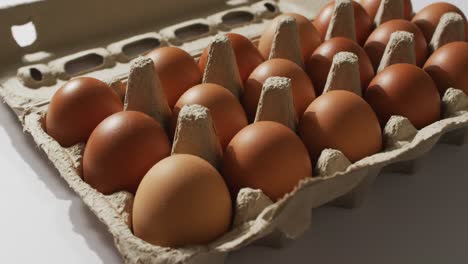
257	219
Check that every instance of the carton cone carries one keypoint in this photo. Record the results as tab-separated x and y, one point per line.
286	43
145	93
451	28
221	66
388	10
195	134
344	74
400	49
342	23
276	102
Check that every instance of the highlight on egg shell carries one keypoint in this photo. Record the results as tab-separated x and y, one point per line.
78	107
448	67
302	88
120	151
181	201
363	22
343	121
404	90
177	71
268	156
225	109
319	64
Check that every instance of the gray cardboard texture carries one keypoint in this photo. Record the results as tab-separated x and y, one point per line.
257	219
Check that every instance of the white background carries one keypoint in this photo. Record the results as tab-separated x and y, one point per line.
420	218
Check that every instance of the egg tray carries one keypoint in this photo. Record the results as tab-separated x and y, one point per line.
257	219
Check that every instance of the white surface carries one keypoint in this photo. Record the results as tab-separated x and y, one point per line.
420	218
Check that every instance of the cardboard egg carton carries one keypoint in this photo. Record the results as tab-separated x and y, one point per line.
28	86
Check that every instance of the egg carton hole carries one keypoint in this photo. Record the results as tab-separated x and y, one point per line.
141	46
84	64
36	74
237	18
270	7
191	31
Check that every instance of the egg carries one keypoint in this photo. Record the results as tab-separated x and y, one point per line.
302	88
319	64
372	6
448	67
121	149
428	18
309	37
247	55
225	109
177	71
181	201
378	40
361	18
343	121
78	107
404	90
267	156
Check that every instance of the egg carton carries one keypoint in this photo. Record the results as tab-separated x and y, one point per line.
258	220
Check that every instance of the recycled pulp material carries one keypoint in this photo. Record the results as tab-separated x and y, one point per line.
257	219
400	49
388	10
145	93
195	134
276	102
342	21
286	44
344	74
451	28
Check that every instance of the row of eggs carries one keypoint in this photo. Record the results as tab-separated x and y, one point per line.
128	150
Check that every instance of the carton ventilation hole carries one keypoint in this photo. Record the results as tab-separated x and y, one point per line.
35	74
270	7
192	31
141	46
83	64
237	17
24	35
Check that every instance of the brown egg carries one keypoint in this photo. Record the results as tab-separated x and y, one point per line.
78	107
177	71
378	40
448	67
319	64
121	150
404	90
343	121
371	6
361	18
181	201
267	156
227	112
309	37
428	18
302	89
247	55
